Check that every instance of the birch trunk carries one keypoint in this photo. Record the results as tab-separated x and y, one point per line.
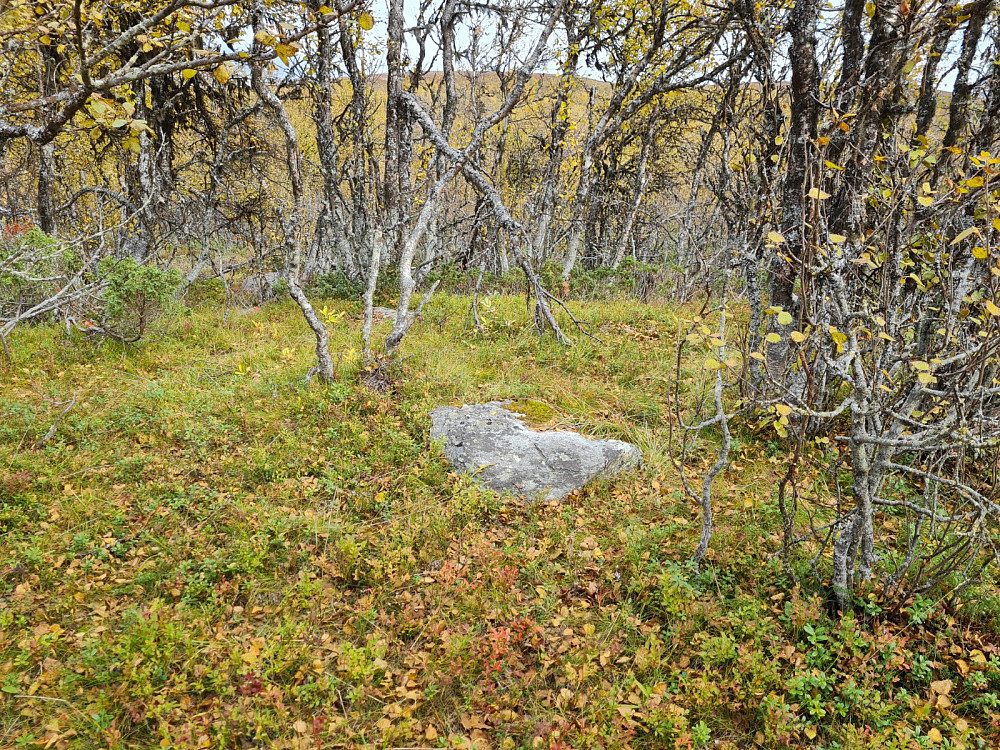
293	162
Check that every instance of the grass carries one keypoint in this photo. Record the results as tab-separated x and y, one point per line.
209	553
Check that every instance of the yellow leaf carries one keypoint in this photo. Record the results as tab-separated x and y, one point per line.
810	732
992	308
784	318
962	235
285	51
300	726
783	409
325	10
925	200
925	378
775	237
772	338
221	74
974	182
837	239
934	735
817	194
979	252
189	73
797	336
366	21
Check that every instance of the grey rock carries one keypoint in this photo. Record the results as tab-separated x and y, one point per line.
261	287
387	313
502	453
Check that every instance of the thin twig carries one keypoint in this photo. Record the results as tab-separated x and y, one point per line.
52	430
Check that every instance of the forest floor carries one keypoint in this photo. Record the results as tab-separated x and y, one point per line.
207	553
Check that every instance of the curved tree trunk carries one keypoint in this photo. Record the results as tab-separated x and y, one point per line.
293	162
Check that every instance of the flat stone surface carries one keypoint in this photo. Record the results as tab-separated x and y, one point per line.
260	288
382	314
502	453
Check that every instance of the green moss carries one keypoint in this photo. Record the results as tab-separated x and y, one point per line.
536	413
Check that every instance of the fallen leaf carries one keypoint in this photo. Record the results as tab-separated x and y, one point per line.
941	687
